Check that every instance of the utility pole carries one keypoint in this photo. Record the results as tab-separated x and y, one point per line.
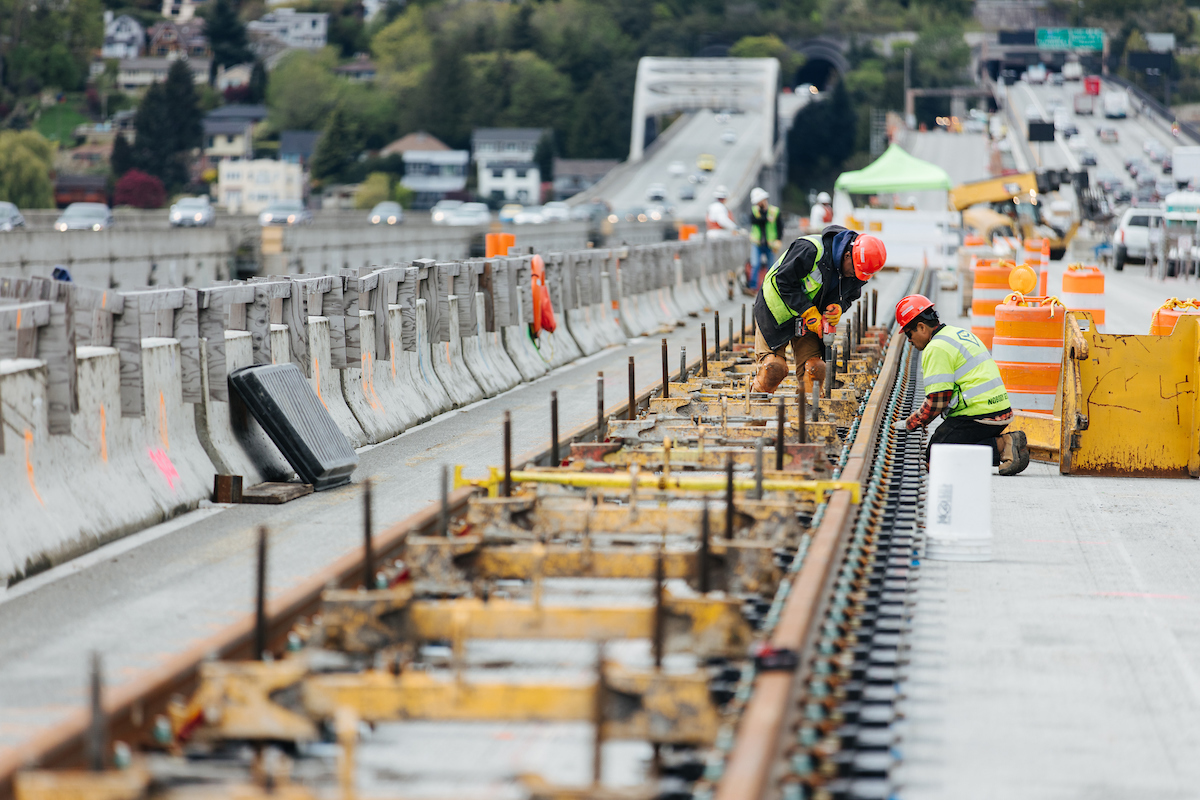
911	122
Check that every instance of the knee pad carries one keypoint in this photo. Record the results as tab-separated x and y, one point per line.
771	373
814	372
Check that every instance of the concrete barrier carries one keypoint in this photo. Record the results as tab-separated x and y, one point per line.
517	315
464	281
365	393
428	381
326	381
558	347
604	296
573	312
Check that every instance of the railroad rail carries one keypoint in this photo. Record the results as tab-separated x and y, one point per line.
768	539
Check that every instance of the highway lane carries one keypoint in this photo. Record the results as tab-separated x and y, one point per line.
169	588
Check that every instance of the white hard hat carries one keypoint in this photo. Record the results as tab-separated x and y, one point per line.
823	197
720	193
757	195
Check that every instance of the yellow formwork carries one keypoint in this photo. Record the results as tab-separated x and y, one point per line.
1128	402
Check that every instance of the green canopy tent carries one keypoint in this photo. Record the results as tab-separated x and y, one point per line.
894	171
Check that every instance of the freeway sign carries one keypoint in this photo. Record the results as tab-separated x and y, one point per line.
1070	38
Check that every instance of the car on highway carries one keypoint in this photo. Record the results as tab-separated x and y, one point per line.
470	214
508	211
677	168
1131	239
1056	79
658	212
1167	165
656	193
594	211
1108	134
285	212
556	211
1107	180
191	212
10	217
706	162
1033	113
1087	157
441	211
85	217
1164	186
632	214
529	215
1122	194
728	137
687	192
1144	196
388	212
1036	74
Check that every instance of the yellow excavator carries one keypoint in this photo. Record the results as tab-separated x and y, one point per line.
1013	205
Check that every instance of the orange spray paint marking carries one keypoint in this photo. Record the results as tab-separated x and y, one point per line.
163	462
162	422
103	436
375	402
18	319
104	299
317	380
29	461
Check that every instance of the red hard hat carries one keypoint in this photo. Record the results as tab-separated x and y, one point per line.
909	308
869	255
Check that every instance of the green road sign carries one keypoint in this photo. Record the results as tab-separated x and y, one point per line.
1070	38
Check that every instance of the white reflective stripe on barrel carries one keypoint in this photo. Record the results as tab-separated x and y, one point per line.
983	293
1027	401
1020	354
1078	301
983	320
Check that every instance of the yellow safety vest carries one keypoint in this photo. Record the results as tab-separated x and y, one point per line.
772	226
811	285
956	360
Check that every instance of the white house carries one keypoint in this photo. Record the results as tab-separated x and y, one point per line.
179	10
504	160
432	174
294	28
247	187
124	37
136	74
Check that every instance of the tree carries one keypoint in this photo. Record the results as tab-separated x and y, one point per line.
26	158
543	156
121	159
521	35
447	101
226	36
821	140
183	108
139	190
374	190
258	83
302	91
168	127
336	149
597	130
405	43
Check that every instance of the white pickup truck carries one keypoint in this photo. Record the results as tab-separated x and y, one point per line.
1131	239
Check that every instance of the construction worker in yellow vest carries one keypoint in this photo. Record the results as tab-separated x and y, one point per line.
963	383
811	284
764	234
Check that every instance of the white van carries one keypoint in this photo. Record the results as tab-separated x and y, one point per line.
1131	239
1036	74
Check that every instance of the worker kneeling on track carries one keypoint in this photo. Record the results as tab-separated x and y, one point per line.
817	278
962	382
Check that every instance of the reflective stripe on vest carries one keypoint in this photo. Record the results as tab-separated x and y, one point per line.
978	388
811	284
772	227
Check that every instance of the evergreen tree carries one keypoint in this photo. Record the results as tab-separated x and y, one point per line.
543	156
183	108
258	83
153	148
226	36
521	36
596	131
336	149
448	96
821	140
121	159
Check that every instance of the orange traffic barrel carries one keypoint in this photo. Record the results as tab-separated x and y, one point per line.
1164	319
1028	348
989	288
507	241
687	231
491	243
1083	290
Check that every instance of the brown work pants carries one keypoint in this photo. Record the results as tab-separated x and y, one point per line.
805	348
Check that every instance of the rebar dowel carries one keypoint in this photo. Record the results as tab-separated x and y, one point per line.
704	350
831	370
730	337
666	390
632	391
97	724
729	498
683	364
781	422
660	628
816	403
742	332
508	454
368	548
598	716
444	490
554	458
601	433
260	597
705	549
717	328
874	307
801	412
758	468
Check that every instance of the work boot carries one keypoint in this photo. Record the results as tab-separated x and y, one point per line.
1014	458
771	373
814	372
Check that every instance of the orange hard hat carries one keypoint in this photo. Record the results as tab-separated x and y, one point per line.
911	307
869	255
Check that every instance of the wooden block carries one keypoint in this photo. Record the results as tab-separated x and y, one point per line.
466	284
489	301
211	329
439	328
406	298
524	279
333	305
274	494
350	309
227	489
258	323
127	339
296	319
187	331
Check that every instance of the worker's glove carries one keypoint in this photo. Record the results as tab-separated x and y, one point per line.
811	319
776	246
833	314
900	425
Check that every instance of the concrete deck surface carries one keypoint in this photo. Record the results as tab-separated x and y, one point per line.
1069	665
